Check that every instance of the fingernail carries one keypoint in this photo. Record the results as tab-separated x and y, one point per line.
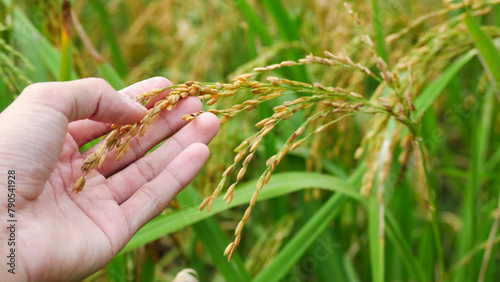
137	105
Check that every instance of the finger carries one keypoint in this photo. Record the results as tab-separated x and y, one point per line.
91	98
167	124
125	183
84	131
155	195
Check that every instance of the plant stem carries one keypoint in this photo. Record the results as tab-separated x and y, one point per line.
432	209
489	245
66	43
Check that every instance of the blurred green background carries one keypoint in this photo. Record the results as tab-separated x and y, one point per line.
439	215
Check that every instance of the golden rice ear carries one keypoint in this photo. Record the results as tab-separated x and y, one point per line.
204	203
79	184
229	248
101	161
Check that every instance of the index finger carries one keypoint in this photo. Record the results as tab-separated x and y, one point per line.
84	131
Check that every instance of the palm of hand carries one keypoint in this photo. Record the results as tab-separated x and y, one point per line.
76	227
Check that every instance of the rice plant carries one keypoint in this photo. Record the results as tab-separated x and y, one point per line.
358	139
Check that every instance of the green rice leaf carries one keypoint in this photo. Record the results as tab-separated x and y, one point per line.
379	39
102	13
214	240
489	54
109	73
116	269
292	251
396	236
434	89
280	184
47	53
254	21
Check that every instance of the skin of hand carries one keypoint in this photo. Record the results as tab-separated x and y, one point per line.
64	236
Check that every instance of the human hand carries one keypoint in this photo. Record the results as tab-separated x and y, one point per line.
61	235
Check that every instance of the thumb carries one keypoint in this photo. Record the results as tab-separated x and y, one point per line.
91	98
37	123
